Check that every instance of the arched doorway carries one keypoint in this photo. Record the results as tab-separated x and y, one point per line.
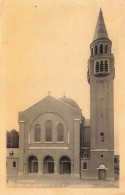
65	165
32	164
48	166
102	172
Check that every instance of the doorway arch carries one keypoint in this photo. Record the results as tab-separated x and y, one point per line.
48	166
65	165
32	164
102	172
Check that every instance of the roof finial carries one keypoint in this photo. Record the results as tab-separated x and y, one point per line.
49	93
64	94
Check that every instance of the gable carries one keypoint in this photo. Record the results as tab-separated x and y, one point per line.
50	105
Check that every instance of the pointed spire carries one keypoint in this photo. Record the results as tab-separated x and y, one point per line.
100	31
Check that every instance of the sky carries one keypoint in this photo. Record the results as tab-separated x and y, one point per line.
46	46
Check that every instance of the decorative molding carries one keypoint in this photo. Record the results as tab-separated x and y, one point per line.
102	150
68	136
49	148
84	147
10	157
102	168
21	121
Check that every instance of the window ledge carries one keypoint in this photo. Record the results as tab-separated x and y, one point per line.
37	142
85	169
48	142
60	142
103	72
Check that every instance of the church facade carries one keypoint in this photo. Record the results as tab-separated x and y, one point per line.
54	136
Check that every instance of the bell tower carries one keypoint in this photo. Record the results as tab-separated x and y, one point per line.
101	74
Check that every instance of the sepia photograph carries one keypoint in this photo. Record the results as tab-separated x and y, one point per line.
62	96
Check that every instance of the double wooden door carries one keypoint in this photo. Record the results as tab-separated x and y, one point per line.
102	174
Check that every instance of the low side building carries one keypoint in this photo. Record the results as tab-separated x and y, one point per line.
12	161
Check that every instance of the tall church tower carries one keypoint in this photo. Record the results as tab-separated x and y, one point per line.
101	74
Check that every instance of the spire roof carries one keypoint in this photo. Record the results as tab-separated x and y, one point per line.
100	31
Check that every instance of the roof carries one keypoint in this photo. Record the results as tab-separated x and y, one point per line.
64	100
100	31
69	102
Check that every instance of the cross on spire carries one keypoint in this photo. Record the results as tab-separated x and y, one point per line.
35	7
49	93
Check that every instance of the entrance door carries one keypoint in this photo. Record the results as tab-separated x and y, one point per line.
32	164
66	167
102	174
34	167
50	167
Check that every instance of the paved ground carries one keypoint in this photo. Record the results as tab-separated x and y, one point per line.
49	182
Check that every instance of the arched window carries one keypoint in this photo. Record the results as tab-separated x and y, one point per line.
106	48
37	133
14	163
48	127
101	66
84	165
97	67
96	49
60	132
92	52
101	137
101	48
11	153
106	65
110	50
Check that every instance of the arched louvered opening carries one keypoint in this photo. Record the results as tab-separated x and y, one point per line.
97	67
106	48
101	66
92	52
106	65
95	49
101	48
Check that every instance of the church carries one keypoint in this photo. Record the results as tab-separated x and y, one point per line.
54	136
